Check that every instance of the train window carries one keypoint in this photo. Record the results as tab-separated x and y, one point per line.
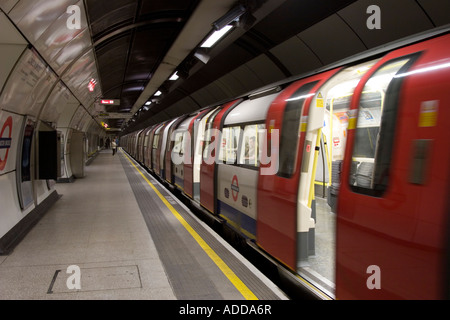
155	141
289	131
229	145
209	133
146	141
253	138
179	145
375	129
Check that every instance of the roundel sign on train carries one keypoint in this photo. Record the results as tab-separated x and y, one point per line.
235	188
5	142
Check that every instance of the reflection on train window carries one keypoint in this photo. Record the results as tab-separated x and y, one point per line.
337	93
229	144
316	250
155	141
289	132
252	144
208	135
146	141
179	145
375	128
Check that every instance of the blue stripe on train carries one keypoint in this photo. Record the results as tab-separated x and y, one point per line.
241	222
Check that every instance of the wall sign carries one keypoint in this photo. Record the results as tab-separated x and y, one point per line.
5	141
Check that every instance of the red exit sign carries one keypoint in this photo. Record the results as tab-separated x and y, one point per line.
110	102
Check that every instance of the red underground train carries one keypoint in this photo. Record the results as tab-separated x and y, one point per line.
341	176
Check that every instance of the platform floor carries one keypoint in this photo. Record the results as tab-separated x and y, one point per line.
131	240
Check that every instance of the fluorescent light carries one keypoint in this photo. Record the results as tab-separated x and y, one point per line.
301	97
216	36
174	77
427	69
158	93
148	103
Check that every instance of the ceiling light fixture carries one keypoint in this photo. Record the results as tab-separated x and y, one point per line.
202	55
216	36
232	15
174	77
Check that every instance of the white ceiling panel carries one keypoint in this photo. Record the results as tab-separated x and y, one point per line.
24	84
296	56
184	106
248	78
10	55
34	17
332	40
437	10
203	97
265	70
55	105
231	85
7	5
216	91
398	19
9	33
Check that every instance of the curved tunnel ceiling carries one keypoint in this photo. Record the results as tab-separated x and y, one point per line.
131	47
130	40
293	38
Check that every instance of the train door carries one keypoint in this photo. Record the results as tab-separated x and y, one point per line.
208	193
157	136
162	148
146	148
277	192
190	159
198	152
393	204
181	151
168	166
302	233
325	140
151	150
140	146
135	146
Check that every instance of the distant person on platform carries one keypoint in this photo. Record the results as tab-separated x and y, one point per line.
114	146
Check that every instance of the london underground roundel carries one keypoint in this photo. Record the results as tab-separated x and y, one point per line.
235	188
5	142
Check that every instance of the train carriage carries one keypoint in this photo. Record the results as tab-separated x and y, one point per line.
208	168
243	135
400	215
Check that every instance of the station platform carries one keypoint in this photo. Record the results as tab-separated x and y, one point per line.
131	240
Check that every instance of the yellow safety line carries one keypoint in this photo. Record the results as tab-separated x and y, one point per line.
242	288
